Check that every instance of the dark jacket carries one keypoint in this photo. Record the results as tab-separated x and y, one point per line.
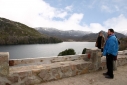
100	42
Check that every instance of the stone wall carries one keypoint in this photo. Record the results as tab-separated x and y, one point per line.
35	71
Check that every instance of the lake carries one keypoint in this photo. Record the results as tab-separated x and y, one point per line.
44	50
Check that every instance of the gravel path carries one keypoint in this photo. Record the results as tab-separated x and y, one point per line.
95	78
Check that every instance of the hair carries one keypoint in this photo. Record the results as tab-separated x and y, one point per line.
100	32
111	30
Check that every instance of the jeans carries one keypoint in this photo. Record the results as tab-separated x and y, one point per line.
109	62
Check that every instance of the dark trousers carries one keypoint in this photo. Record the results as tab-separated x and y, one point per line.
109	62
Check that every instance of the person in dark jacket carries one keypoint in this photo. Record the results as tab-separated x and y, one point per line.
110	51
100	41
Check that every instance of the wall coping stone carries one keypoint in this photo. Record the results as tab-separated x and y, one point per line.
46	60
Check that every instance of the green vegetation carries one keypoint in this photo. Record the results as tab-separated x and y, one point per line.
67	52
84	51
123	43
16	33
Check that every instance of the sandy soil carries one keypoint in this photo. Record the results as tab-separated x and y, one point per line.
95	78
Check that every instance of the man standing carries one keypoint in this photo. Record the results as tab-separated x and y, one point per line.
110	51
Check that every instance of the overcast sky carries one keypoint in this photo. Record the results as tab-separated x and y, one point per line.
86	15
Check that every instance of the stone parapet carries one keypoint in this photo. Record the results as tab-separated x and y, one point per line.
29	72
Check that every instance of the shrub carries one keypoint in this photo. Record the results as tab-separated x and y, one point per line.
123	43
67	52
84	51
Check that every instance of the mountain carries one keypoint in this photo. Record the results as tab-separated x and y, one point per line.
124	32
16	33
74	35
93	36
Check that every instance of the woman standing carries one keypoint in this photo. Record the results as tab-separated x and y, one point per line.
100	41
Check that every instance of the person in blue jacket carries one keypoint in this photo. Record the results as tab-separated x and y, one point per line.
110	51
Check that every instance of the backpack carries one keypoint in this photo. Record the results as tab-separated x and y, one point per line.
118	41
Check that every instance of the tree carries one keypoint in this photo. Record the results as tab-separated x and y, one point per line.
84	51
67	52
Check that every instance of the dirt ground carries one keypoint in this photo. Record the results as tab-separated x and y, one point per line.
95	78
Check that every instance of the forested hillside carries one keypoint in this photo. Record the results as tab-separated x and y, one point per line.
16	33
123	43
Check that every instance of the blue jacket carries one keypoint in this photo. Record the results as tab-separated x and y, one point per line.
111	46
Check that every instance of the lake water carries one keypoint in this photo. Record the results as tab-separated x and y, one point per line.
44	50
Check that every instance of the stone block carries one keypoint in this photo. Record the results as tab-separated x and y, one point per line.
11	62
125	52
13	79
32	80
73	67
85	71
94	56
4	65
114	65
45	74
